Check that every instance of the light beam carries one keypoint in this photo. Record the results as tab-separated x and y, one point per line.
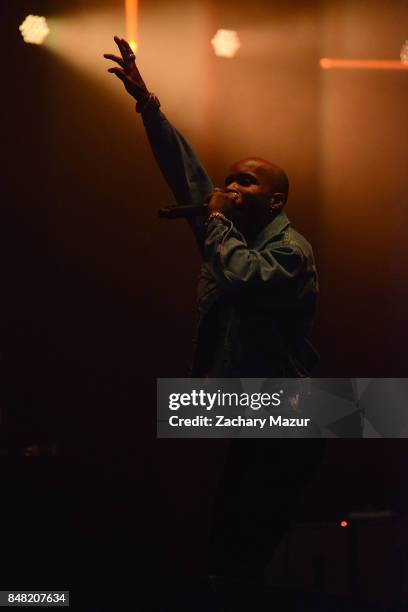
131	10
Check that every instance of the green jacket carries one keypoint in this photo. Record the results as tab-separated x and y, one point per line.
256	301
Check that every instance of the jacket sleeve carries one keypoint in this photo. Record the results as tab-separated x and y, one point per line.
180	166
238	267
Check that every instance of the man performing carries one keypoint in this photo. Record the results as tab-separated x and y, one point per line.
256	300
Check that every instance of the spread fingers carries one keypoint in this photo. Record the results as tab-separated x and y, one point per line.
114	58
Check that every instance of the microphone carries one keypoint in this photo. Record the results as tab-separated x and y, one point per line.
183	212
186	212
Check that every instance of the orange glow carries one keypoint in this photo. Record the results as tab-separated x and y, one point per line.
131	8
343	523
329	64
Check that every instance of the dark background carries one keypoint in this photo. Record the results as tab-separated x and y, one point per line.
98	294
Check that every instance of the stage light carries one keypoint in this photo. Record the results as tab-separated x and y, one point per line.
343	524
225	43
34	29
404	52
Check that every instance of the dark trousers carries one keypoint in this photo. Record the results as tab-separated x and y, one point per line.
256	501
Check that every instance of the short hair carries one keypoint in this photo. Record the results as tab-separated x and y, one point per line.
280	178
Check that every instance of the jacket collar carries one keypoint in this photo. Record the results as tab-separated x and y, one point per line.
274	228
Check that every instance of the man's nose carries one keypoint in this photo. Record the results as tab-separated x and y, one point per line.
233	187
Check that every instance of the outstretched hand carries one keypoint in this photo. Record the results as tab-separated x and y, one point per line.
128	72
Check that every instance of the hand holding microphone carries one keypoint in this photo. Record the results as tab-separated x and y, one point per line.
223	202
219	201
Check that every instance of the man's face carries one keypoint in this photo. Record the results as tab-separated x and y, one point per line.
253	181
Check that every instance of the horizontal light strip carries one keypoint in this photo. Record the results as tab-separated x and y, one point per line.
330	64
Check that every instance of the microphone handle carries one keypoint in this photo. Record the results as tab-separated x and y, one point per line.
183	212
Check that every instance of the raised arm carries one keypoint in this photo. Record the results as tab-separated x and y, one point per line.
175	157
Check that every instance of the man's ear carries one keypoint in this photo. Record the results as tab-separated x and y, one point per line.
278	200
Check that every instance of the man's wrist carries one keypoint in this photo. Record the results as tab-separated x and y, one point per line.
148	101
143	97
216	214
